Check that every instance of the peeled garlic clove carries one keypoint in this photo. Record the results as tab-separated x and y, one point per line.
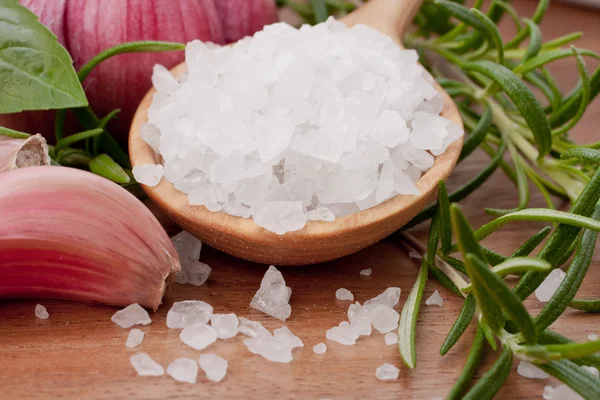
20	153
69	234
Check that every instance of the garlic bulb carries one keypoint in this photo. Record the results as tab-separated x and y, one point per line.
20	153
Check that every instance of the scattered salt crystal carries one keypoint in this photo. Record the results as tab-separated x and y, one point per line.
183	370
135	338
387	372
546	290
214	367
413	254
548	392
343	334
384	318
269	348
296	125
366	272
187	246
193	272
528	370
391	338
285	336
41	312
360	319
131	315
225	325
435	299
198	336
564	392
344	294
389	297
592	337
187	313
148	174
252	328
273	296
592	370
146	366
320	348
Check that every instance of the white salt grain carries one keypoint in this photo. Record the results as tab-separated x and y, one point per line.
384	318
528	370
225	325
131	315
214	367
391	338
183	370
360	319
344	294
252	328
366	272
592	337
548	391
296	125
148	174
269	348
435	299
134	339
198	336
146	366
284	336
186	245
414	255
41	312
343	334
273	296
564	392
320	348
546	290
387	372
389	297
187	313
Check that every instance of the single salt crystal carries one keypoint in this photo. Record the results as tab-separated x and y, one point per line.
187	246
148	174
187	313
146	366
592	370
225	325
134	339
41	312
344	294
214	366
198	336
131	315
269	348
366	272
343	334
193	272
273	296
320	348
384	318
435	299
391	338
360	319
548	392
183	370
346	115
286	337
252	328
564	392
546	290
413	254
528	370
592	337
389	297
387	372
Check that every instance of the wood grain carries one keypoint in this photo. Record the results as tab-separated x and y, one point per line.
79	354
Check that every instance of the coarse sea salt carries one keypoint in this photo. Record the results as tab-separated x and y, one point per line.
273	296
344	294
292	126
391	338
214	366
276	347
131	315
41	312
592	337
192	271
225	325
146	366
320	348
134	339
387	372
366	272
187	313
183	370
198	336
528	370
384	318
546	290
435	300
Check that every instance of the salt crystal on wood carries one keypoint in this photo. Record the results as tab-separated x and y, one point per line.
252	328
146	366
344	294
435	299
273	296
366	272
592	337
320	348
187	313
284	336
198	336
226	325
135	338
41	312
343	334
528	370
546	290
387	372
183	370
391	338
389	297
384	318
214	367
131	315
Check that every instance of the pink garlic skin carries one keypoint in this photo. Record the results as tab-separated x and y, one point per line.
29	152
87	27
69	234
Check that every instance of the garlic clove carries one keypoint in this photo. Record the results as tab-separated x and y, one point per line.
69	234
20	153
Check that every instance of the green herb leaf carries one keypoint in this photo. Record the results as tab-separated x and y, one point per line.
478	133
36	72
551	337
462	14
407	330
489	335
530	244
460	325
573	279
535	40
473	361
522	185
519	265
521	96
105	166
320	10
549	56
487	387
445	225
538	15
13	134
571	104
562	40
575	376
573	350
491	32
69	140
587	155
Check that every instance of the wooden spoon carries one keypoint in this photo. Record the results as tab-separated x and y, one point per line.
318	241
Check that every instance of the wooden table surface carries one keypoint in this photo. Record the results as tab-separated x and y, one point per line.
80	354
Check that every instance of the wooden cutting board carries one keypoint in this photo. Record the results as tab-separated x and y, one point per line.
80	354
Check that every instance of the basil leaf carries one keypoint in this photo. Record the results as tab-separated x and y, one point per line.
407	330
473	361
460	325
521	96
36	72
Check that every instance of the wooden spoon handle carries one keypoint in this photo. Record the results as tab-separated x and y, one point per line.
391	17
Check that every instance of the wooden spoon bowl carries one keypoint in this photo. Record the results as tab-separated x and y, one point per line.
318	241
